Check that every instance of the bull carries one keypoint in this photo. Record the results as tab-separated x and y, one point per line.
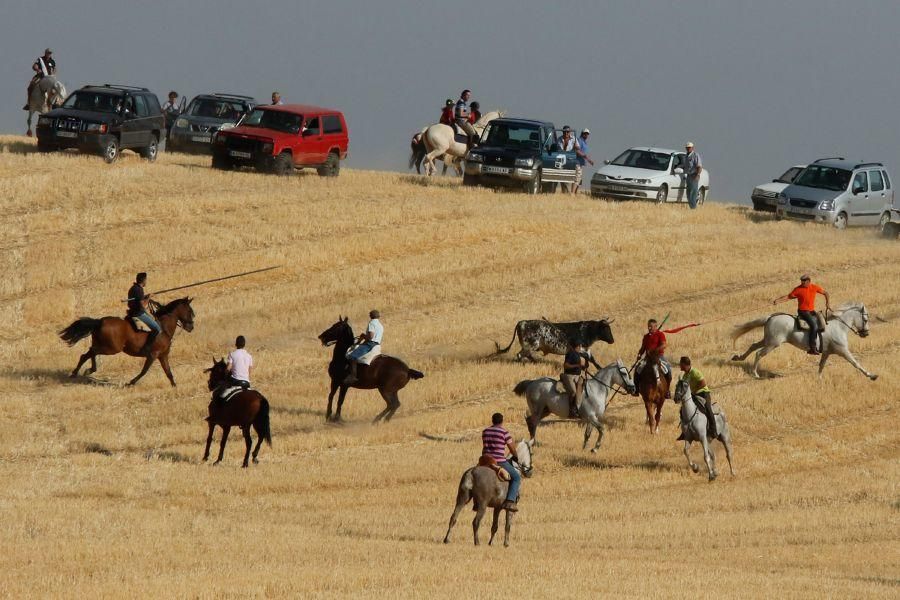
540	335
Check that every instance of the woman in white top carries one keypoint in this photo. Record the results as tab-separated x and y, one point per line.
240	363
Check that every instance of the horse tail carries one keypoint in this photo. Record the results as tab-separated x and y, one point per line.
520	388
262	420
413	374
740	330
416	146
466	485
79	330
511	342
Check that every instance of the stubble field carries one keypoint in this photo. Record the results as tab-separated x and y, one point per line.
104	494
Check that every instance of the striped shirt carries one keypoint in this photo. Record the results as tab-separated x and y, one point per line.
495	439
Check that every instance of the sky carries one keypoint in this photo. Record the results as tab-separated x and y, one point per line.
756	86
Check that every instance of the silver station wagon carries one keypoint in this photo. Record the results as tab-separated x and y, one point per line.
838	191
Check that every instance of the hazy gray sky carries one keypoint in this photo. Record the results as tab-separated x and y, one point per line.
757	86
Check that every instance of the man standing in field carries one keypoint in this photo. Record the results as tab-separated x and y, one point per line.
137	305
582	156
240	363
805	294
697	382
654	341
693	166
495	442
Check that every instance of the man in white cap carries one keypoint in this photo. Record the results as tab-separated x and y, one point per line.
693	166
582	156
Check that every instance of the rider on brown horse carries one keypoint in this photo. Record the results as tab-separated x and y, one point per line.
654	343
137	309
366	342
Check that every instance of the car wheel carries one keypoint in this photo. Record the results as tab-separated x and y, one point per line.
111	151
222	163
151	151
702	197
44	147
840	221
332	166
534	186
283	164
470	180
663	194
757	205
891	231
886	227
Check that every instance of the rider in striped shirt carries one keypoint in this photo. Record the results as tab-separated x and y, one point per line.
496	440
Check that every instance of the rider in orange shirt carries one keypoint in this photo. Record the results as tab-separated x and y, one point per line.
805	294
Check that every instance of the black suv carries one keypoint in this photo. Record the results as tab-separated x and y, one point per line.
104	119
195	128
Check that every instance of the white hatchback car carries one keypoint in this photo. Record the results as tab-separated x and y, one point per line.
765	196
646	173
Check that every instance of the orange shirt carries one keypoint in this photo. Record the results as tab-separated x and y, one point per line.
806	296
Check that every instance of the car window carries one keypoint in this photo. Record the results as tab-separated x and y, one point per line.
140	106
790	175
128	105
678	161
331	124
278	120
860	181
887	180
825	178
312	126
152	104
643	159
876	180
513	135
92	101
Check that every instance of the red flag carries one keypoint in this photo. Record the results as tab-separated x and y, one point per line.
683	327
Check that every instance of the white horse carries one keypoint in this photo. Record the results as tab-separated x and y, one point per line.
694	429
418	152
781	328
48	93
439	141
486	490
544	398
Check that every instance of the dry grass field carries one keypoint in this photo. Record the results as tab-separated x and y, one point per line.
104	495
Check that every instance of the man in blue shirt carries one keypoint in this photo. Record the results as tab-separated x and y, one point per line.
137	305
693	166
461	112
582	156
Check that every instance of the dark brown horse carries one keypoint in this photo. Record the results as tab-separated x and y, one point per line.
653	387
244	409
386	374
111	335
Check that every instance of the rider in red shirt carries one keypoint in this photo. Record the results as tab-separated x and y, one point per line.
447	117
474	112
655	341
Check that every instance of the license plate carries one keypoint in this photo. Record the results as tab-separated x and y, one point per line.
66	134
496	170
237	154
618	188
201	138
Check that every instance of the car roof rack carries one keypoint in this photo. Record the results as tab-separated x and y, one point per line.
829	158
868	164
114	86
224	95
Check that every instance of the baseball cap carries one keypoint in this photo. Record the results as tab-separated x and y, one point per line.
804	277
689	145
586	130
566	128
48	51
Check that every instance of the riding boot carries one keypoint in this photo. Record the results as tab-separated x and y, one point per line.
510	505
351	376
573	407
710	416
668	375
148	345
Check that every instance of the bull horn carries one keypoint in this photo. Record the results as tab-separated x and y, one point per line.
609	322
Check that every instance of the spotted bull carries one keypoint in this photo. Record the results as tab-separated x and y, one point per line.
540	335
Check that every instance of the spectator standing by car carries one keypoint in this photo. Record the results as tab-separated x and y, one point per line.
170	111
582	156
276	99
566	142
693	166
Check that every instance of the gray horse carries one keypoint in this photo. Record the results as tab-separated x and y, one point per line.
485	489
781	328
694	429
48	93
544	398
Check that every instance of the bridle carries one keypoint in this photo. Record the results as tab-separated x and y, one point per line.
616	389
848	325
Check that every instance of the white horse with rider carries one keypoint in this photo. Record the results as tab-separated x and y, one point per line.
694	428
544	397
440	142
781	327
47	94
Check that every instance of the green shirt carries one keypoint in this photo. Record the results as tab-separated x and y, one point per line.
694	377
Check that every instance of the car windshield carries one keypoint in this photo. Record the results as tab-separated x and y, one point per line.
643	159
93	101
825	178
274	119
230	110
510	135
790	175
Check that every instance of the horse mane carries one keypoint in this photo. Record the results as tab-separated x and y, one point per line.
160	310
849	306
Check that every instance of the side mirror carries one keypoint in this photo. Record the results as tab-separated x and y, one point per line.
605	162
678	171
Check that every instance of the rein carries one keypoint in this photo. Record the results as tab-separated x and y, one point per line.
845	323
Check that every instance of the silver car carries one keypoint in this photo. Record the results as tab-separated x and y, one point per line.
195	128
837	191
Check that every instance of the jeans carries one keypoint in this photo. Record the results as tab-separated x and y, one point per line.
149	321
514	483
693	190
362	350
813	321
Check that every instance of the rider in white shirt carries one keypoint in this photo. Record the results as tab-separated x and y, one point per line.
240	363
367	341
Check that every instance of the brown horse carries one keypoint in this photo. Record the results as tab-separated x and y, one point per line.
111	335
386	374
244	409
653	388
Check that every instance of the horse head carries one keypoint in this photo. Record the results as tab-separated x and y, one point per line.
339	332
218	373
524	456
855	314
623	378
682	392
184	313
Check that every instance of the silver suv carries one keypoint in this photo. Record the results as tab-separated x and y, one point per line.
837	191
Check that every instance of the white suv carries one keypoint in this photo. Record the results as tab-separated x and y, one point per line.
646	173
765	196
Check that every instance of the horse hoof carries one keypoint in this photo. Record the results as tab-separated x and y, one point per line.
735	357
446	540
873	377
244	466
255	461
593	451
712	477
695	468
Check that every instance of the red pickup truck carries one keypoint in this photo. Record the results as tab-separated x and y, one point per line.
279	139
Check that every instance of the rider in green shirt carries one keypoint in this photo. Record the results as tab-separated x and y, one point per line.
697	382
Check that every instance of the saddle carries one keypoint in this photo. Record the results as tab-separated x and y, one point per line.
137	324
227	393
802	326
488	461
368	357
